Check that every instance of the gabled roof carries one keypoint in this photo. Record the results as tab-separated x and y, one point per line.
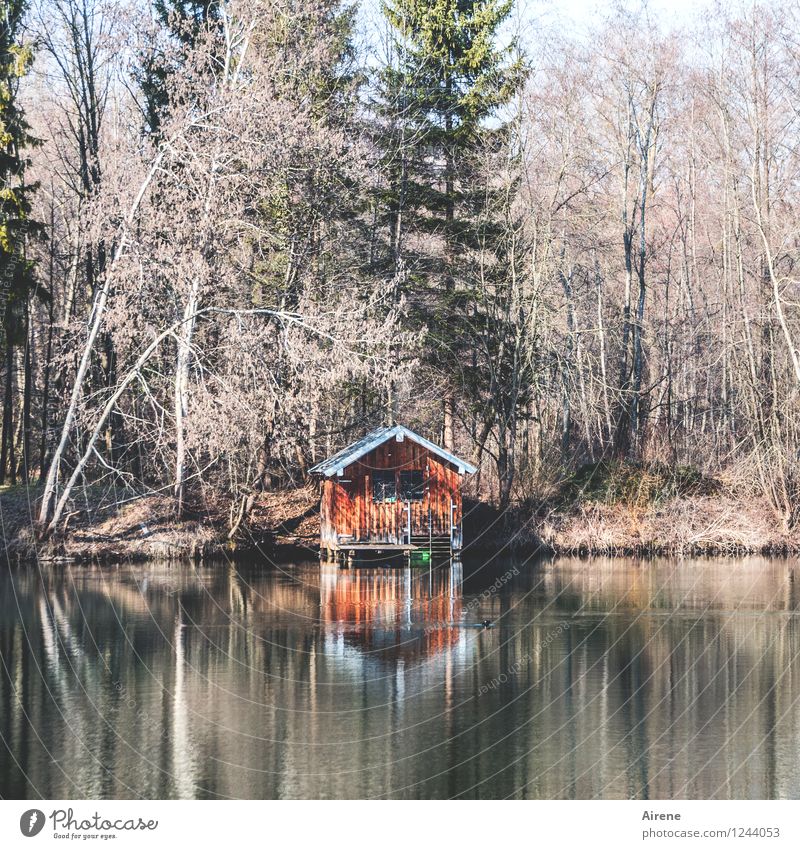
335	465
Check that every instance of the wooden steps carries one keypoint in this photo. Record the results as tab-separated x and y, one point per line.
439	544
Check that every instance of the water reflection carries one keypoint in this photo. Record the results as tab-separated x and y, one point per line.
393	614
607	678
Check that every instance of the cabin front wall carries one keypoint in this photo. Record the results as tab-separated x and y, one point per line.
348	509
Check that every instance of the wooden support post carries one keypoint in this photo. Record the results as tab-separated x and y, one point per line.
430	534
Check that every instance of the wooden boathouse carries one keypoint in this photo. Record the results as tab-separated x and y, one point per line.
391	492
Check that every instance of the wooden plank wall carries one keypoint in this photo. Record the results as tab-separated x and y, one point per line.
347	507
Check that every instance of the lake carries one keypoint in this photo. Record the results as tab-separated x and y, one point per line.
602	678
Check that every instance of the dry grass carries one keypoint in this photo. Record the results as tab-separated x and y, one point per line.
140	529
289	516
716	524
146	528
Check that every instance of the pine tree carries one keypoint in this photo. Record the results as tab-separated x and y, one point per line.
16	271
450	78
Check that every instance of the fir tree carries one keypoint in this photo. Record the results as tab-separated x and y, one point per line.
16	271
449	81
183	22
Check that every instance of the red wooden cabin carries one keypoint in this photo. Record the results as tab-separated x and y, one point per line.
391	491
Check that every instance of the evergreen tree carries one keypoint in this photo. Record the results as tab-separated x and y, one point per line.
448	80
183	22
16	271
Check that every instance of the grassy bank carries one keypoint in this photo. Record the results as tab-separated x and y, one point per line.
605	508
622	508
146	527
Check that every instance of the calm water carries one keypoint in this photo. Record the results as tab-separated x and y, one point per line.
602	678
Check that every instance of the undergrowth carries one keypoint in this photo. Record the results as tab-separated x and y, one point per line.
620	482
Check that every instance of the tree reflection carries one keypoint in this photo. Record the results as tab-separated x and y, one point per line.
609	678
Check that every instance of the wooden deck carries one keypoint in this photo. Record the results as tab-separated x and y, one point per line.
377	547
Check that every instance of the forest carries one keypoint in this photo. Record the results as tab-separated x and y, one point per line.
237	234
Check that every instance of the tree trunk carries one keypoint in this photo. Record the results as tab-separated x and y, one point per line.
7	449
27	393
448	436
621	438
602	342
46	392
182	395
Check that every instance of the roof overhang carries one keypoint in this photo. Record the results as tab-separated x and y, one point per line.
336	464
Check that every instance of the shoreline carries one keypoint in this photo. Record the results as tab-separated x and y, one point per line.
285	525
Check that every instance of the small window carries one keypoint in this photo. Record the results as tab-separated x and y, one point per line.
383	486
412	486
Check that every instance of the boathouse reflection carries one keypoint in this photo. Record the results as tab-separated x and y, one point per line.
393	614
